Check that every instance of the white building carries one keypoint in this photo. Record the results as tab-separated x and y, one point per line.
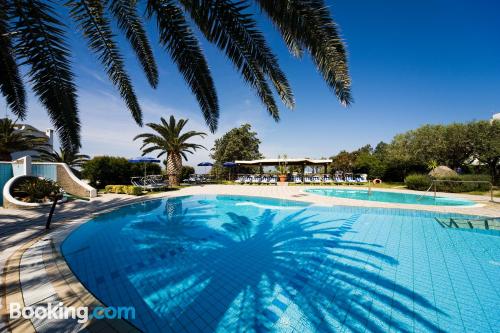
30	130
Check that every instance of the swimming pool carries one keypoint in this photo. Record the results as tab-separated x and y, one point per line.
246	264
395	197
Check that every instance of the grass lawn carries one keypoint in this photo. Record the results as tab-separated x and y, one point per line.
496	193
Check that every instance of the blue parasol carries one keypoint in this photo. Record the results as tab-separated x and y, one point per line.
229	165
205	164
145	160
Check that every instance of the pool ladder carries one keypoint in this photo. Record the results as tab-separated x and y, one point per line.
420	197
487	223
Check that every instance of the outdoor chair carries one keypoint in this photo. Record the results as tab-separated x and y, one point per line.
327	179
256	180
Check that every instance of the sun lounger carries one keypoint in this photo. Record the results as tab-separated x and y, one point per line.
298	180
152	182
273	181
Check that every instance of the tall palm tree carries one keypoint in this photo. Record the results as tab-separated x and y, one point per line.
72	158
172	142
12	140
33	33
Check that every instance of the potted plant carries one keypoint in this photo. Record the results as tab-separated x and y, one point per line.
282	168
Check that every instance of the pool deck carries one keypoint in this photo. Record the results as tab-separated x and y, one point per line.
34	272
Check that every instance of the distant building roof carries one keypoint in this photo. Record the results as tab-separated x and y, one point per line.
30	130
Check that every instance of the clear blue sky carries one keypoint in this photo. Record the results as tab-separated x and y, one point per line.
411	62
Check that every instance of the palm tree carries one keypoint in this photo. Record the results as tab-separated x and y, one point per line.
33	34
72	158
12	140
172	142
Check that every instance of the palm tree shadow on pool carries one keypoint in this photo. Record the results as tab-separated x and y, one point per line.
245	275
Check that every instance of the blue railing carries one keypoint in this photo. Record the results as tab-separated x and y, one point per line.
48	171
5	175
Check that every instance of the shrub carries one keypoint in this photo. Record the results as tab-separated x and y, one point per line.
418	182
123	189
186	172
134	190
35	190
106	170
464	187
422	182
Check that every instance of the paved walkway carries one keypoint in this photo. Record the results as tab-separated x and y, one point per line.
33	269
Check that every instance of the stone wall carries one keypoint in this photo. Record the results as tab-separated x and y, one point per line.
73	185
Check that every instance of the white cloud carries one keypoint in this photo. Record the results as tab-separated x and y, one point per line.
108	127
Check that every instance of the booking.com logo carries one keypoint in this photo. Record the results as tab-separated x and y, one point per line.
82	314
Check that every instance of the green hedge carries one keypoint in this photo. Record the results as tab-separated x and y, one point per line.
418	182
123	189
422	182
465	187
108	170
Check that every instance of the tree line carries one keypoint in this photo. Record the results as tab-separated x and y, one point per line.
472	147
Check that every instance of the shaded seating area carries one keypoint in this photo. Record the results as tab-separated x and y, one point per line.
195	179
257	179
150	182
296	173
302	163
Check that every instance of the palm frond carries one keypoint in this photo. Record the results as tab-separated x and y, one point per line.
143	135
185	51
11	84
91	18
308	24
169	138
227	25
41	45
129	21
188	135
12	140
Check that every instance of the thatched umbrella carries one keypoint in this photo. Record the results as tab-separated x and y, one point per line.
443	171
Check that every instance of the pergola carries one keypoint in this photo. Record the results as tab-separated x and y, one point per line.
303	162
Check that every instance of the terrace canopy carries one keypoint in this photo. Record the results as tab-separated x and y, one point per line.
303	162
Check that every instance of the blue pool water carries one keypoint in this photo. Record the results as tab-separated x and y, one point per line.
396	197
244	264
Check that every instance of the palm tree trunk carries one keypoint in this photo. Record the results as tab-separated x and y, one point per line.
174	167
